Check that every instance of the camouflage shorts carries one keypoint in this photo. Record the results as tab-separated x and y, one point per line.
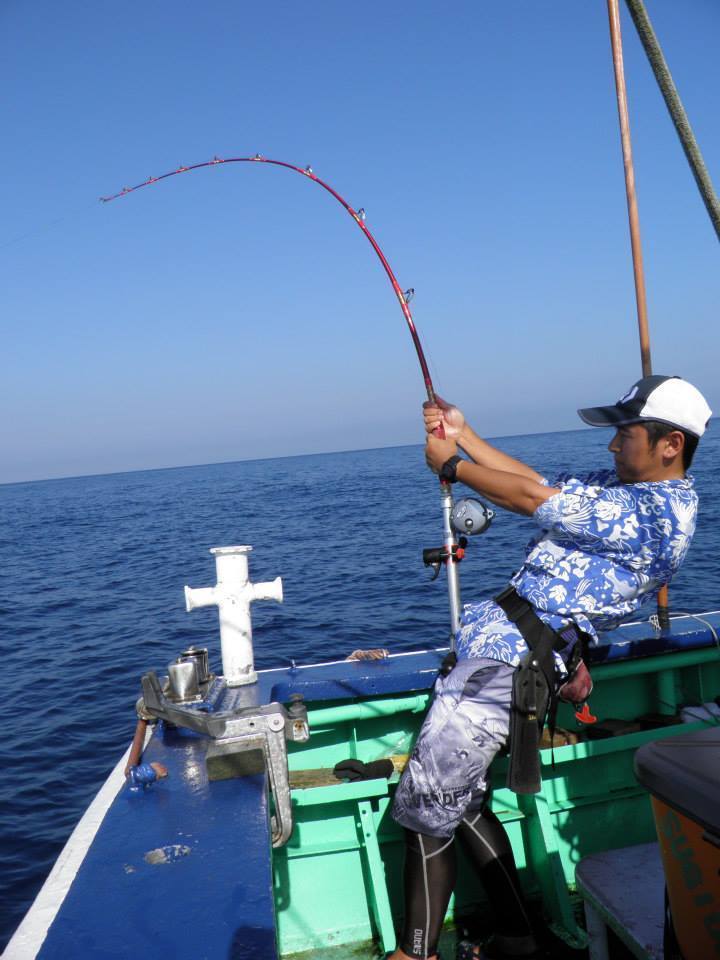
466	725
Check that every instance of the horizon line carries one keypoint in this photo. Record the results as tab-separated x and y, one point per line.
290	456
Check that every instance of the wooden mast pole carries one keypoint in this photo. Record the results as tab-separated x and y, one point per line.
638	272
640	298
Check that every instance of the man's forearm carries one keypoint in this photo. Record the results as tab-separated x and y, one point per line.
513	491
485	455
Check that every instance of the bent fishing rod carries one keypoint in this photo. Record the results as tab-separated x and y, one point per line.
450	551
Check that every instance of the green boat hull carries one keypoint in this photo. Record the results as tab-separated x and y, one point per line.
338	882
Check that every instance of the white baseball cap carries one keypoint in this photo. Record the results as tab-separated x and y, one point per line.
670	400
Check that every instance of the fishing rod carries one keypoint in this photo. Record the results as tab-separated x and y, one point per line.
450	546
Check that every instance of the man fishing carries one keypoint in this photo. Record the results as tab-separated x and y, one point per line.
606	542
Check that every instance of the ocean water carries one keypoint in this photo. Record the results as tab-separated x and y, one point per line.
91	578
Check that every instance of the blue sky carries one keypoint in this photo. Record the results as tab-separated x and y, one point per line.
237	312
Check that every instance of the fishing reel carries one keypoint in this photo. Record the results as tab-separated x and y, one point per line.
469	517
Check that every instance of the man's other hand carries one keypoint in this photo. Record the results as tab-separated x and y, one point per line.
443	414
438	451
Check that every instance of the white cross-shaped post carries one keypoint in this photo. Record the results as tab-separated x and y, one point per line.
232	595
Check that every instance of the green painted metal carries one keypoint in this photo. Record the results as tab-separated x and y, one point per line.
328	716
338	881
544	850
376	879
666	692
664	662
346	791
609	747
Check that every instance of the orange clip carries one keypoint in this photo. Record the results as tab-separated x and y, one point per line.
584	715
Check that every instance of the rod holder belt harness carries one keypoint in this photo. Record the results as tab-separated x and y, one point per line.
534	694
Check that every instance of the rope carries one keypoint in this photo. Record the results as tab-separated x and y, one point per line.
676	109
655	622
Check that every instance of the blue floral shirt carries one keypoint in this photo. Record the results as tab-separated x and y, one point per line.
603	548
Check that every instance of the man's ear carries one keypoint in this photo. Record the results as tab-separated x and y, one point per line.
673	444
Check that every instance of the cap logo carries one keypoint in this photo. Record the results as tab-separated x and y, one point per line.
629	395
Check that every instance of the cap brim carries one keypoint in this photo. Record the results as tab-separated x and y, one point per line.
605	416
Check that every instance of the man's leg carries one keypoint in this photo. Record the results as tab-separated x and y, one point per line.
429	879
487	843
467	724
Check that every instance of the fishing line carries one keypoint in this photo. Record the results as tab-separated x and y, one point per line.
44	228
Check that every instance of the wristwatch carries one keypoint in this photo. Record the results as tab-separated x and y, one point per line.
448	471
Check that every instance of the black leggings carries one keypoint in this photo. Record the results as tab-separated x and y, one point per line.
430	871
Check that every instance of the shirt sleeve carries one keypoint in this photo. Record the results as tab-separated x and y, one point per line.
599	478
587	512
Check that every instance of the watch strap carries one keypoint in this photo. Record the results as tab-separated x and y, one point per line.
448	471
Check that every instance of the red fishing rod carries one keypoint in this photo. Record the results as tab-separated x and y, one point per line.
404	297
357	215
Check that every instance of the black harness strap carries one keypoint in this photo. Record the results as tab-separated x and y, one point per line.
534	688
541	639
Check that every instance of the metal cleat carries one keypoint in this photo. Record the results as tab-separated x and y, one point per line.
232	595
246	741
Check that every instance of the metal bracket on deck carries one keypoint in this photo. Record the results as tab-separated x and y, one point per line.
238	735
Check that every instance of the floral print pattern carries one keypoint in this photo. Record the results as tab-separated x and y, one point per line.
602	550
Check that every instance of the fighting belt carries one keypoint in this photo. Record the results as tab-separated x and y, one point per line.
534	690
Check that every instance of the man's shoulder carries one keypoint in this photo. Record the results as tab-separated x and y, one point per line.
682	488
671	483
608	479
576	480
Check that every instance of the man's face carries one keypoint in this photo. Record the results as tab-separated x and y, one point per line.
635	459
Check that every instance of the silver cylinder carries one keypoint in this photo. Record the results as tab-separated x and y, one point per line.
451	567
183	680
198	656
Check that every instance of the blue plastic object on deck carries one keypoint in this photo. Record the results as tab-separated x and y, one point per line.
141	776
